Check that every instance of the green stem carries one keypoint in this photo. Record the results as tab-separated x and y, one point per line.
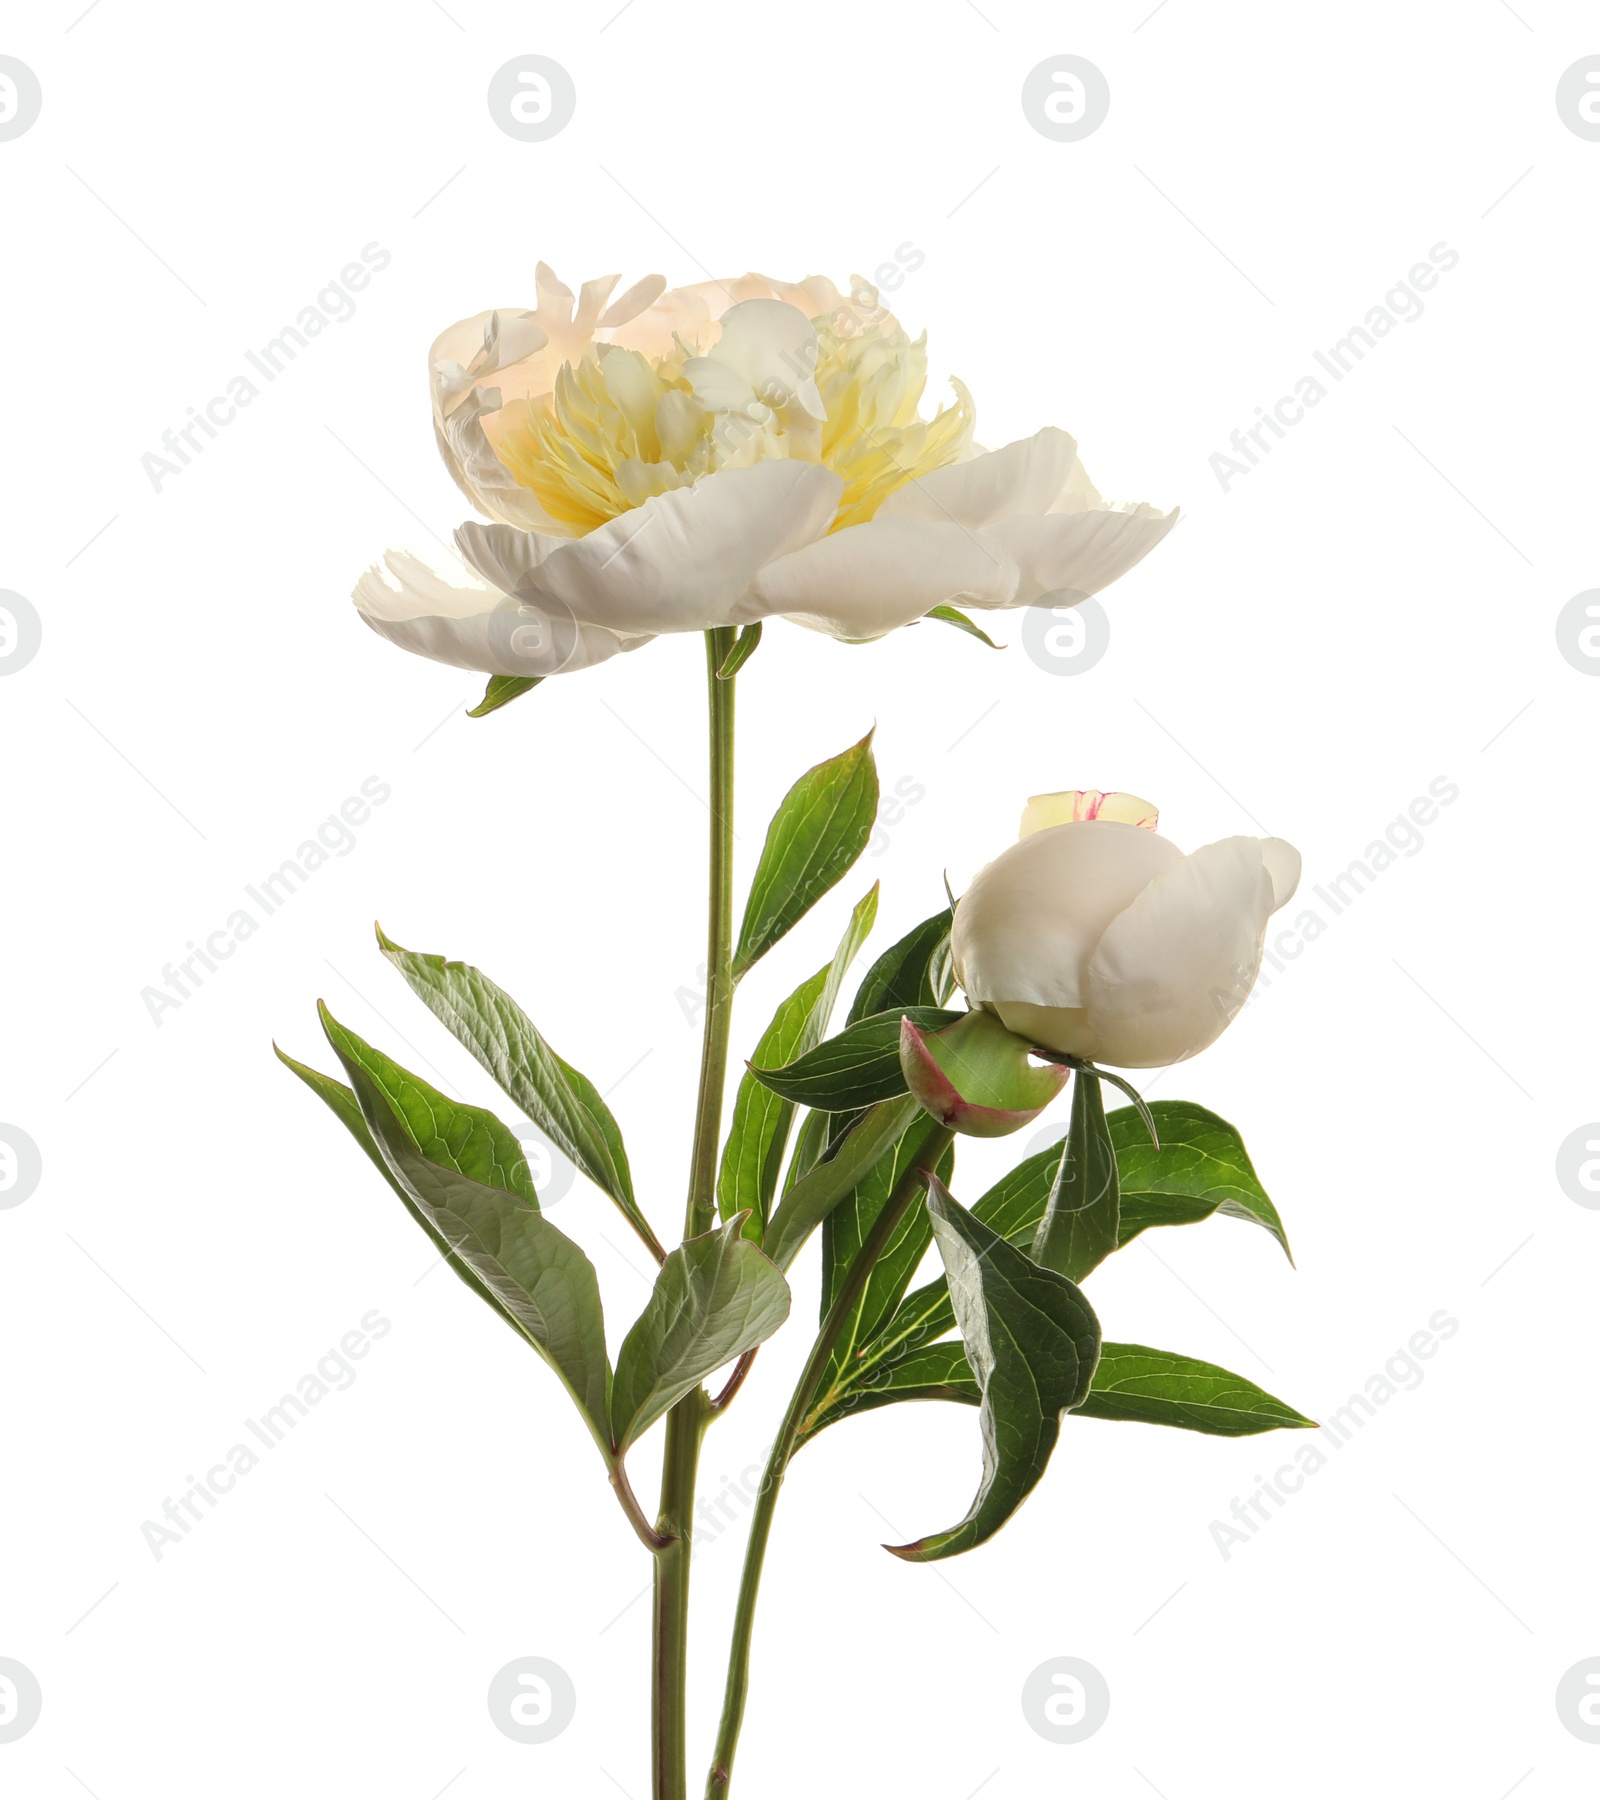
686	1423
906	1194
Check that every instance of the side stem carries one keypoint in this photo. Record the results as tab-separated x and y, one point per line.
906	1194
686	1423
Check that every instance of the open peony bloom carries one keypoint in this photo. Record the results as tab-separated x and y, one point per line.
1095	937
713	455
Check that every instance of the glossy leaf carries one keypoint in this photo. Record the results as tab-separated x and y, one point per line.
827	1184
530	1273
844	1234
1079	1228
501	691
565	1105
913	972
1202	1159
950	615
1032	1340
715	1297
1158	1387
858	1067
1151	1387
819	830
759	1132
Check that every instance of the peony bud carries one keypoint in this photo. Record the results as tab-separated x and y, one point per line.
975	1077
1096	938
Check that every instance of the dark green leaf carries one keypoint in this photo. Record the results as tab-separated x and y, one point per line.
858	1067
759	1132
530	1273
501	691
1079	1228
1152	1387
1157	1387
342	1104
819	830
1032	1340
913	972
949	615
565	1105
1202	1158
744	648
715	1297
935	1372
826	1184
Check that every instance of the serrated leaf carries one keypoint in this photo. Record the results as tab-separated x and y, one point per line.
715	1297
818	831
758	1135
1202	1158
827	1184
501	691
950	615
913	972
1159	1387
858	1067
1032	1340
565	1105
1079	1228
530	1273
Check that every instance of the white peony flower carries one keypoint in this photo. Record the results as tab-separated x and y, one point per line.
1094	937
715	455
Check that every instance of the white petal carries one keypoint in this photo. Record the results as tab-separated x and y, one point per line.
1026	928
503	556
629	305
454	618
1024	477
685	561
1079	804
1065	557
1283	865
773	347
1174	969
867	579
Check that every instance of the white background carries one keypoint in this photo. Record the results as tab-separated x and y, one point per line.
1371	609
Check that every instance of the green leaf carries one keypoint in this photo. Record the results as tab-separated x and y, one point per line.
1151	1387
530	1273
464	1138
827	1184
1079	1228
744	648
759	1132
1157	1387
565	1105
977	1077
933	1372
949	615
819	830
342	1104
1016	1203
1032	1340
911	973
858	1067
501	691
1202	1159
715	1297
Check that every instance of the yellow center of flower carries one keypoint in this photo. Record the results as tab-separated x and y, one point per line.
620	427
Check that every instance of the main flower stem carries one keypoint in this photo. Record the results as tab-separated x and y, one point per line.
686	1423
906	1194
